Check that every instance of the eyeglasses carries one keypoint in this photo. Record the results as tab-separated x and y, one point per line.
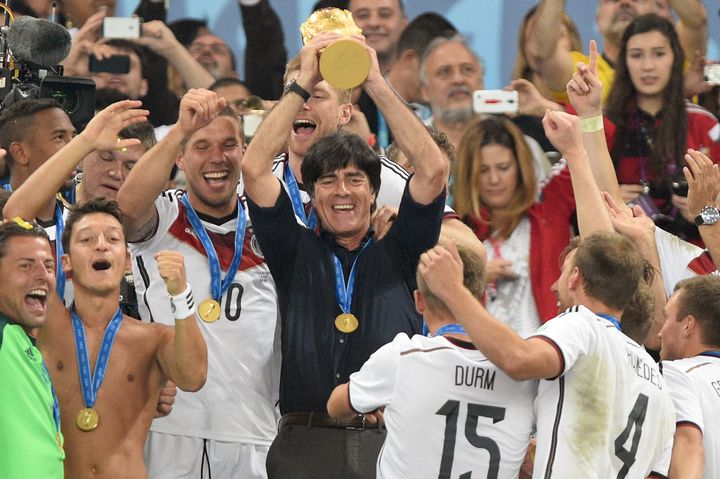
215	48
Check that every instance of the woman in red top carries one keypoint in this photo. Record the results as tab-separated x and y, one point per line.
652	125
524	226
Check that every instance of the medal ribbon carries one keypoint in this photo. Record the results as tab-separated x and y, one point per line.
383	134
218	287
613	320
59	273
454	328
715	354
294	190
344	292
90	385
56	405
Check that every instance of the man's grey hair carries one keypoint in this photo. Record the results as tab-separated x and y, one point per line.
440	41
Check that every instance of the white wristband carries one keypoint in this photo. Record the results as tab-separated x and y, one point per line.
183	304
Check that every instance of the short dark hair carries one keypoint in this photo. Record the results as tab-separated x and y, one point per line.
143	131
700	298
611	268
418	34
95	205
186	29
440	139
13	229
336	151
228	81
18	120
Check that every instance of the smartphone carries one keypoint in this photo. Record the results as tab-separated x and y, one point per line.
251	121
495	101
113	64
711	72
122	27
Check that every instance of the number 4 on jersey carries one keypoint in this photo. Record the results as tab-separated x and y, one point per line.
635	418
451	411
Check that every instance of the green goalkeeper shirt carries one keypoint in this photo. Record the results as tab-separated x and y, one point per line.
29	442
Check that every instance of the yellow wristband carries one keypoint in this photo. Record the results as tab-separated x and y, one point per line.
591	124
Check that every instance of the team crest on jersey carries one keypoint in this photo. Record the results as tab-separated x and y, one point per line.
255	246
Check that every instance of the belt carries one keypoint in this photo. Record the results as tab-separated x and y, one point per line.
320	419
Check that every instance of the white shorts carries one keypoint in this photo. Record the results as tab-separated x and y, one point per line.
168	456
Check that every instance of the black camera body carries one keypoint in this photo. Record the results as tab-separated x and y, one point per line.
75	95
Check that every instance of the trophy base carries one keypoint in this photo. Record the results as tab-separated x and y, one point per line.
345	64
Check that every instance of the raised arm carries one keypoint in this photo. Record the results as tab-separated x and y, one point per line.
182	354
703	179
563	130
260	184
636	225
584	91
160	39
430	166
552	60
150	174
534	358
100	134
265	53
692	26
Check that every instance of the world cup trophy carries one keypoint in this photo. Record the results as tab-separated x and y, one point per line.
344	63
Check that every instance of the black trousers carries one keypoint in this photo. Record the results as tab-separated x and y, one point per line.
312	446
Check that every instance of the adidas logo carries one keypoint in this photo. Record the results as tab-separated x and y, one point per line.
30	355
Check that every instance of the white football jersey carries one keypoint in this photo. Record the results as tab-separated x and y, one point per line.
694	384
237	402
449	412
609	413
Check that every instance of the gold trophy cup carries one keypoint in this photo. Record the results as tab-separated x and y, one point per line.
344	63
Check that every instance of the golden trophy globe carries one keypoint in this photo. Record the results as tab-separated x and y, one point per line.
344	63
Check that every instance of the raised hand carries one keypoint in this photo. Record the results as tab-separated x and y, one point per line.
634	224
158	37
198	108
585	88
442	269
102	131
563	131
530	101
310	59
703	179
171	266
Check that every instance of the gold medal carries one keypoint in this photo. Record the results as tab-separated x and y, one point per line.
87	419
346	322
209	310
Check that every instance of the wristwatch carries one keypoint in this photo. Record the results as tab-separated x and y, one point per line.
709	215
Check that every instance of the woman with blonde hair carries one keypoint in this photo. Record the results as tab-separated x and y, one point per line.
524	226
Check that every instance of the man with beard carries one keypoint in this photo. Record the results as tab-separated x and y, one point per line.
214	54
556	64
449	73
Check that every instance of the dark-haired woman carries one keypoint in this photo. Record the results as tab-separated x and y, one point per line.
651	124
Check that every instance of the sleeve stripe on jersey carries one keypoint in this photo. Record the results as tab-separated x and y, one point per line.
557	349
394	167
419	350
656	475
556	427
146	281
689	424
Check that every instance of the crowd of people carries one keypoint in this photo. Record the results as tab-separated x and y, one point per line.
385	281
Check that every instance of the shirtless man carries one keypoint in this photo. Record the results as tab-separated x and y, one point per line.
105	422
